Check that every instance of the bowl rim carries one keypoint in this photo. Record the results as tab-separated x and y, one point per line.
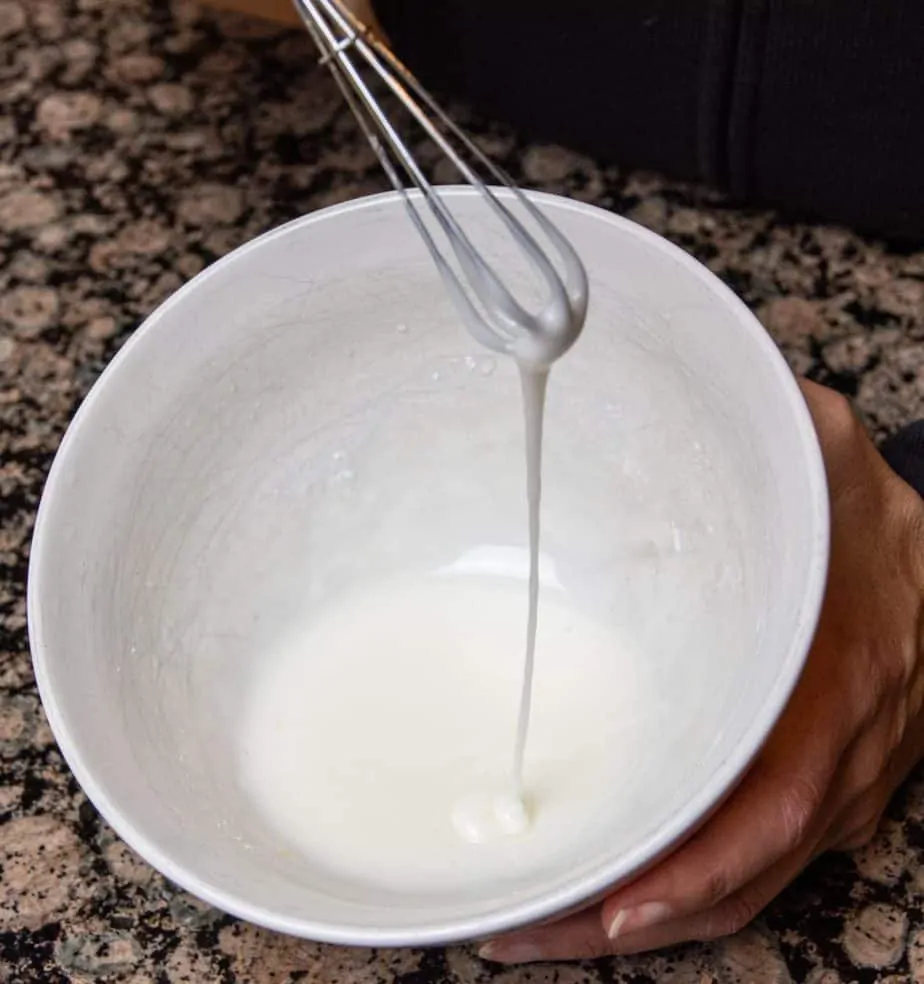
567	898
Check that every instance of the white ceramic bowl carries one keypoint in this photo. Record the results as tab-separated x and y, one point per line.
272	415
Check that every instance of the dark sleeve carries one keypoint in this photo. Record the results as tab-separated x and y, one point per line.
813	105
904	451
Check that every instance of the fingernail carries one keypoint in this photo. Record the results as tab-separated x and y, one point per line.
510	953
615	927
640	917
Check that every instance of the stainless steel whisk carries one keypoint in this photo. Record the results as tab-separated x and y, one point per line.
497	320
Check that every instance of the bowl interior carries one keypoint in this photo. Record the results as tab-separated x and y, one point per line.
308	417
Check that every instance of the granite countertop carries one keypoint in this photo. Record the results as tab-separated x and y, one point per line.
138	142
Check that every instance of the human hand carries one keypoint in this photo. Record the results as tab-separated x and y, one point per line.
851	732
363	10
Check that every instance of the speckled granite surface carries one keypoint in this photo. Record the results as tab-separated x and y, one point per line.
138	143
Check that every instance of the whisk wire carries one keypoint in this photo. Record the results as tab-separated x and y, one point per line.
499	320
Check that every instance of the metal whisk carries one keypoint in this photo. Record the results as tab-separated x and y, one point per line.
490	311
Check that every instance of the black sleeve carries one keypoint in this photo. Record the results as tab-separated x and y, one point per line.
904	451
813	105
